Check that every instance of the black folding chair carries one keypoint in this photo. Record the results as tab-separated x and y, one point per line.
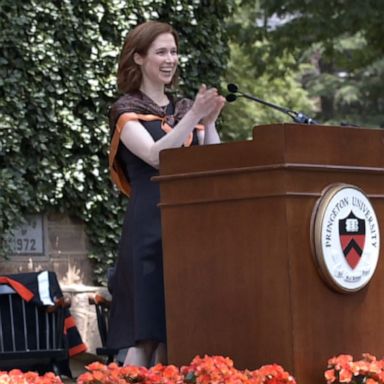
32	336
102	306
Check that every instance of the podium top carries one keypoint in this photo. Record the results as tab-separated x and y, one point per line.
284	145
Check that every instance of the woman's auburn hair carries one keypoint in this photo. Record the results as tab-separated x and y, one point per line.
139	40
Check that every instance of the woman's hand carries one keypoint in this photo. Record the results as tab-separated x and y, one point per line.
208	104
211	118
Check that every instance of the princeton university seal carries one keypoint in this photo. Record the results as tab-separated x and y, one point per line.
345	237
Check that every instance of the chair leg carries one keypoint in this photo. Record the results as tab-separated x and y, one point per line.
110	359
62	368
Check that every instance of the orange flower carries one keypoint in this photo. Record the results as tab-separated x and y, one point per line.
330	375
368	370
16	376
380	377
99	376
164	374
212	370
84	378
96	366
132	373
339	361
272	374
15	372
113	366
368	357
345	375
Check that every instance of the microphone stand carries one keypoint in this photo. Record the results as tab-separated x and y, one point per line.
298	117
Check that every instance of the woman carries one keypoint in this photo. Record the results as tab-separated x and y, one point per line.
144	121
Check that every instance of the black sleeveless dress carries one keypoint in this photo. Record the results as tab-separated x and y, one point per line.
138	311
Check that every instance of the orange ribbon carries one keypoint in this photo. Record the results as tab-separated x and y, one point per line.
117	174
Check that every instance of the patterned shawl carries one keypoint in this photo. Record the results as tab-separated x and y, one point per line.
141	104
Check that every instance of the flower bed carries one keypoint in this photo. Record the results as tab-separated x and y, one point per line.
210	370
342	369
17	377
206	370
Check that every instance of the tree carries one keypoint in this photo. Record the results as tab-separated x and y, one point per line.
277	82
342	40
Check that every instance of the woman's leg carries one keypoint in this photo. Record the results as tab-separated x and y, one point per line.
160	354
140	354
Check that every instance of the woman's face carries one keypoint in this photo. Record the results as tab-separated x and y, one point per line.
159	65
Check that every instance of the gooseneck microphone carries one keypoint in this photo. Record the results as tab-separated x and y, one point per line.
298	117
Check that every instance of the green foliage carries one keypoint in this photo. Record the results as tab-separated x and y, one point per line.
341	40
278	83
57	79
242	115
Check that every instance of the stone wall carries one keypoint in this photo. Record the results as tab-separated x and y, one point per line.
65	252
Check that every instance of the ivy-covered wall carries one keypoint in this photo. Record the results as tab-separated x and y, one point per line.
57	79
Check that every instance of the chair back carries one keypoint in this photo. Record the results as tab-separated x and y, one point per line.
28	331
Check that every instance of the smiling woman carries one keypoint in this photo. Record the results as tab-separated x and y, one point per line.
143	121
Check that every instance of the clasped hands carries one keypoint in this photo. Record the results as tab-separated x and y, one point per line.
208	104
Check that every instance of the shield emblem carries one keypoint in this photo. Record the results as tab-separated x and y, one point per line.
352	238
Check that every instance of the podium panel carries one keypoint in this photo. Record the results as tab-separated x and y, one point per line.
240	276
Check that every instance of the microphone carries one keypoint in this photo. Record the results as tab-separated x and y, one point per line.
231	97
298	117
232	88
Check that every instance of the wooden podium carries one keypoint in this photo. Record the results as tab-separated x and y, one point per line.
240	277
